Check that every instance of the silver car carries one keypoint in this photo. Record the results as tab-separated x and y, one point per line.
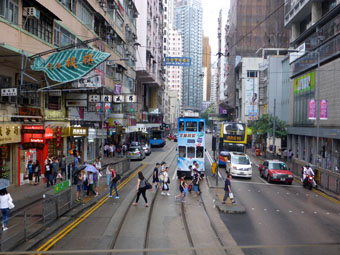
135	152
147	149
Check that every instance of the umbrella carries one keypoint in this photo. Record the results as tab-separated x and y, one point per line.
4	183
91	168
76	171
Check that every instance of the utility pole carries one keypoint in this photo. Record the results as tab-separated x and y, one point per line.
274	126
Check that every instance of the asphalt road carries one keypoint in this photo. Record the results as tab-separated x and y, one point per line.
284	216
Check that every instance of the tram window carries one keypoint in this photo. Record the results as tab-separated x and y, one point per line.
191	126
191	152
199	152
182	151
201	126
181	126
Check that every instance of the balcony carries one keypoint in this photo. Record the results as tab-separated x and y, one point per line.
296	10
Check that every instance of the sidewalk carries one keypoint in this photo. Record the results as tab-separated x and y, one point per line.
259	160
27	194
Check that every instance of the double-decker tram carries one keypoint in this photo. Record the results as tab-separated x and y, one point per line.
233	138
190	145
156	137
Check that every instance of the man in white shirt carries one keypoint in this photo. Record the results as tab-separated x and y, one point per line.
309	171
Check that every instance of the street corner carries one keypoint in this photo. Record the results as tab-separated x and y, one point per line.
228	207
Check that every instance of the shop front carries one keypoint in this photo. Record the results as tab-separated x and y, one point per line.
10	138
76	142
34	146
61	130
94	143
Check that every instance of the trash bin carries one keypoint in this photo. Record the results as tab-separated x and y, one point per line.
258	152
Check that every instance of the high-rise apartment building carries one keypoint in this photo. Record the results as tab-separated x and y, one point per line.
207	64
242	41
188	21
213	88
150	77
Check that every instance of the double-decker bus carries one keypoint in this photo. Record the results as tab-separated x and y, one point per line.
156	137
233	138
190	145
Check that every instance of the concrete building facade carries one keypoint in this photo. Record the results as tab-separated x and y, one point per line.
314	27
207	65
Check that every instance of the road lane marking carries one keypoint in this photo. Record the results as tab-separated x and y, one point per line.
268	184
46	246
262	180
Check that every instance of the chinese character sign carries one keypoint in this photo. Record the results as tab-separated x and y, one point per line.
69	65
117	89
177	61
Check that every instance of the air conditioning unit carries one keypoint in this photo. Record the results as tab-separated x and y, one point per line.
31	12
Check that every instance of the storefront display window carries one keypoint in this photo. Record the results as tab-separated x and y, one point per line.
5	162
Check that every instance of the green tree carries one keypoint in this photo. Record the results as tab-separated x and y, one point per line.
205	115
264	127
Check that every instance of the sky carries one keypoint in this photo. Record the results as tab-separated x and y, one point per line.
211	9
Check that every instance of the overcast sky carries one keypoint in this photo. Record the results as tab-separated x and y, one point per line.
211	9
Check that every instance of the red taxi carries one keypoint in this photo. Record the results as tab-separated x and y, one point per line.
276	171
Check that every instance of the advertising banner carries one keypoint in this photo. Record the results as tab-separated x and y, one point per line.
177	61
251	98
304	83
312	109
323	109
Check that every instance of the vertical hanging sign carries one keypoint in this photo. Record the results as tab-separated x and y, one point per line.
323	109
312	109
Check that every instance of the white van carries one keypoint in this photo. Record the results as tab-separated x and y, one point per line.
239	165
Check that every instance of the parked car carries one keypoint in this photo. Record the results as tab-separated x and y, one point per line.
276	171
135	152
175	138
239	165
147	149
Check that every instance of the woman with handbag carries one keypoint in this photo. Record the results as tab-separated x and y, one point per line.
6	203
227	190
141	189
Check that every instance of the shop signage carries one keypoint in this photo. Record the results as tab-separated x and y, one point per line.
29	111
10	133
94	98
37	140
177	61
61	186
118	99
131	98
26	146
58	137
304	83
106	98
54	115
312	109
28	129
69	65
78	131
9	92
48	133
117	89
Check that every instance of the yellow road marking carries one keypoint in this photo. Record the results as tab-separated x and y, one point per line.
46	246
322	194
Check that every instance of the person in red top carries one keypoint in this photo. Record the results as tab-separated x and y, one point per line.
114	181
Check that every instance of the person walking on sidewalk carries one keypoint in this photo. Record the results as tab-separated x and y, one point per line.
37	172
98	166
5	202
155	179
114	180
90	185
63	166
166	182
49	174
141	189
227	190
55	166
108	175
79	183
30	171
182	187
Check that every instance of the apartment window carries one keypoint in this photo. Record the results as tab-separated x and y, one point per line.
62	37
9	9
251	74
5	82
53	102
120	22
70	4
27	96
41	27
85	14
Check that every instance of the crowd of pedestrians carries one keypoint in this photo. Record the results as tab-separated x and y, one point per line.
115	150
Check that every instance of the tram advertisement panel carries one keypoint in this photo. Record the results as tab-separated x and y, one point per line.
190	149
